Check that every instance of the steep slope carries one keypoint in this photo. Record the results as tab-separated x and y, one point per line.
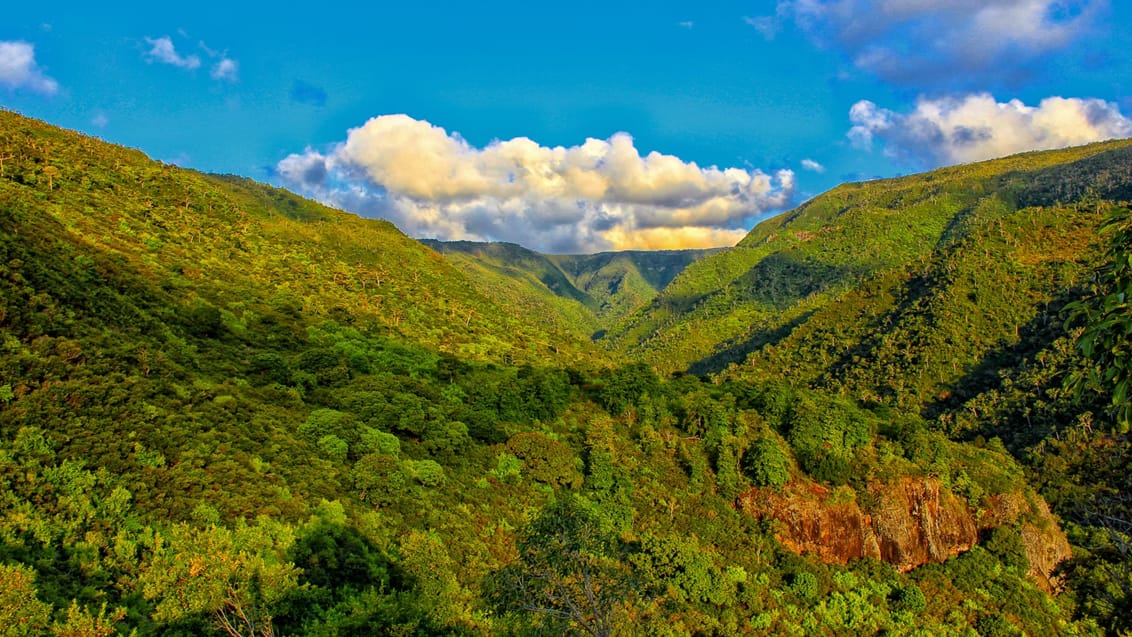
588	293
152	312
525	280
622	282
723	308
248	250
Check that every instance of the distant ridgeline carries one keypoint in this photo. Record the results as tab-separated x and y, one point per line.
228	410
585	292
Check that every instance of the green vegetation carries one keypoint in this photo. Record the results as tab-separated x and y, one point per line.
226	410
723	308
579	294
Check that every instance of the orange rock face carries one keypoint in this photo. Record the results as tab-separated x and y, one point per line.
907	523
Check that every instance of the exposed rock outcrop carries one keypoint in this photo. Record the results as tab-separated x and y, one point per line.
907	523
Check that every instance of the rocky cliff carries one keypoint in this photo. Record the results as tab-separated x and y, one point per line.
907	523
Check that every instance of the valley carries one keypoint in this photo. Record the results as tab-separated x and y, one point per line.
899	408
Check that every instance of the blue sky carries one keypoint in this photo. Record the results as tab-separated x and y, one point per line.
575	126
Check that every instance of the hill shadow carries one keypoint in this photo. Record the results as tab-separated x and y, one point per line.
1036	335
737	352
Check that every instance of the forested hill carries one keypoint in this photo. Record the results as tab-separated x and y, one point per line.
243	253
225	410
586	292
720	309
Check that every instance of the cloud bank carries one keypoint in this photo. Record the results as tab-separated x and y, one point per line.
975	127
18	69
945	43
599	195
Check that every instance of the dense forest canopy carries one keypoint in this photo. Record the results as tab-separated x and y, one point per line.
901	408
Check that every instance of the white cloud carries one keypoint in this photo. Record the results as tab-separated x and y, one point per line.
687	24
812	166
947	43
100	120
975	127
162	50
18	69
226	69
601	194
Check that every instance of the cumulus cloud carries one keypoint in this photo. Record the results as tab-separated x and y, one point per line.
162	50
226	69
975	127
602	194
18	69
945	43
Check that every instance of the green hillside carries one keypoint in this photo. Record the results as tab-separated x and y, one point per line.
622	282
225	410
526	281
721	309
587	293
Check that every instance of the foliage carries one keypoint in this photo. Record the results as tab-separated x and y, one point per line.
570	573
766	463
546	460
20	612
1107	316
236	576
227	409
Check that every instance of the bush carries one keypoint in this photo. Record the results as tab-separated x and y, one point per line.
203	320
1005	543
325	422
805	585
910	598
508	468
379	478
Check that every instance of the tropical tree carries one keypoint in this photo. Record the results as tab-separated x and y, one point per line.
1107	315
571	576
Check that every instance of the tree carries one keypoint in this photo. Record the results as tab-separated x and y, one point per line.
51	173
234	575
1107	316
766	463
20	612
571	576
80	623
